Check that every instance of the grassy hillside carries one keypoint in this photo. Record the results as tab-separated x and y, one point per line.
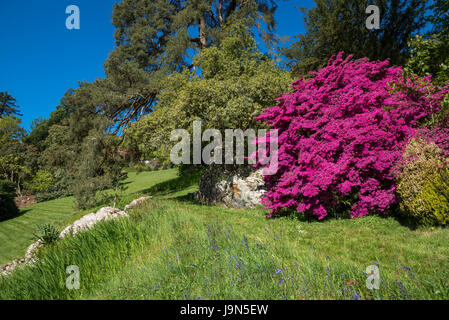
17	234
176	249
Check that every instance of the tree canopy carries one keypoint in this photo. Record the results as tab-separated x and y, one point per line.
333	26
8	105
236	83
157	38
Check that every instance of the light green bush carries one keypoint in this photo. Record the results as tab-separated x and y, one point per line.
40	183
423	185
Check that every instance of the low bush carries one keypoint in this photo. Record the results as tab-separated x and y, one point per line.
8	208
140	168
423	185
42	197
40	183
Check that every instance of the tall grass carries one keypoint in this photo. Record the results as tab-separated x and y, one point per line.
17	234
177	250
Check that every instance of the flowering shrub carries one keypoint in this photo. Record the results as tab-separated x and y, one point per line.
341	134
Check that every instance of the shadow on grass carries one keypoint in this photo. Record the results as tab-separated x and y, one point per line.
394	213
12	217
174	185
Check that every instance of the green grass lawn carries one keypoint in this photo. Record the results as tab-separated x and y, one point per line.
171	248
17	234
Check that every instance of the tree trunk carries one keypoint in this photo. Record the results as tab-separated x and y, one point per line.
220	12
19	191
202	32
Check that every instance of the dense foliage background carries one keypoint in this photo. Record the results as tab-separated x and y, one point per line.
344	128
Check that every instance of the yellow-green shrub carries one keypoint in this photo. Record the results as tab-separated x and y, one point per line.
423	185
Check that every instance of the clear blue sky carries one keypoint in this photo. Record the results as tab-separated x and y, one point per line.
40	58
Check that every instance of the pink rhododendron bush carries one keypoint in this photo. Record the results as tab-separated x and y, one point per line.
342	133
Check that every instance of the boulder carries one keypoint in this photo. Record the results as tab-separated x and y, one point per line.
32	249
233	190
89	220
136	203
85	223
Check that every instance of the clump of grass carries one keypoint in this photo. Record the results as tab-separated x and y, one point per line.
46	233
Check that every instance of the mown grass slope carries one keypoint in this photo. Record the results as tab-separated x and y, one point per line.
176	249
17	234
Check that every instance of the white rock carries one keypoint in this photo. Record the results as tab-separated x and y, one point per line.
89	220
136	202
32	249
85	223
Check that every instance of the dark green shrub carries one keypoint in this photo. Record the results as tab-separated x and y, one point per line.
8	208
41	197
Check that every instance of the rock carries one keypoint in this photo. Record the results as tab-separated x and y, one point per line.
85	223
89	220
32	249
237	190
10	267
136	202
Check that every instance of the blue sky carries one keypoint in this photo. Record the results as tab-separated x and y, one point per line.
40	58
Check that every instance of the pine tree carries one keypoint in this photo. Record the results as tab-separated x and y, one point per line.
157	37
340	25
8	105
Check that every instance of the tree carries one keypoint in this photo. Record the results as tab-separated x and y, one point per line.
156	38
339	25
430	56
10	130
8	208
430	52
236	83
40	129
440	16
80	152
8	105
40	182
